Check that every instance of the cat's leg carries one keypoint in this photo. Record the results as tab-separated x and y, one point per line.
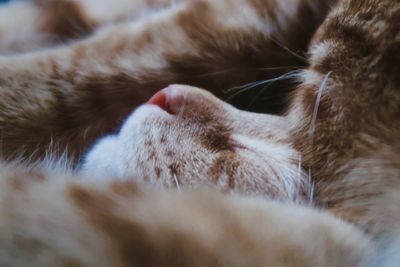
32	25
72	95
105	11
340	101
47	23
54	220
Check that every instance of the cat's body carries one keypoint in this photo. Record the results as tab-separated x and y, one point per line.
336	148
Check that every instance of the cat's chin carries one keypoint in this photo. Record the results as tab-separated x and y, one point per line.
103	160
106	159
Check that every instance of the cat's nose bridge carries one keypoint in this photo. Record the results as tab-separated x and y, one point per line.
188	102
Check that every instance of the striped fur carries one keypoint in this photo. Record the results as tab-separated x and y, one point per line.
316	185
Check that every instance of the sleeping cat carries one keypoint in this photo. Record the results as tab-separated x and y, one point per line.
316	186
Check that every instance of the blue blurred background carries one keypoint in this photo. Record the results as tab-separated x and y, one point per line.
4	1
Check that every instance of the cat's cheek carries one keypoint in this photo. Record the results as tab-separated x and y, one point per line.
104	161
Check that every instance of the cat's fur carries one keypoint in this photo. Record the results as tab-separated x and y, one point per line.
336	148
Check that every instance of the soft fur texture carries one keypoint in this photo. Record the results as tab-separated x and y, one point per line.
88	180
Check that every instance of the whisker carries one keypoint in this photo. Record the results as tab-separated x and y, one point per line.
316	107
257	83
284	77
299	167
312	188
287	49
281	68
177	183
215	72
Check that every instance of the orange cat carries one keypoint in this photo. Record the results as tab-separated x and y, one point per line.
89	181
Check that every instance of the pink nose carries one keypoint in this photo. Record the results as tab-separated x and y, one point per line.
167	99
160	99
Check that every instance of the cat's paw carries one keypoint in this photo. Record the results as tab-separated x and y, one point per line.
185	136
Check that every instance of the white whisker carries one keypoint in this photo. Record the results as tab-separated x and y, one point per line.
317	103
311	185
268	82
299	167
281	68
289	75
287	49
177	183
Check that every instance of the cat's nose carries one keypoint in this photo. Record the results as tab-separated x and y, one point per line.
168	99
159	99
